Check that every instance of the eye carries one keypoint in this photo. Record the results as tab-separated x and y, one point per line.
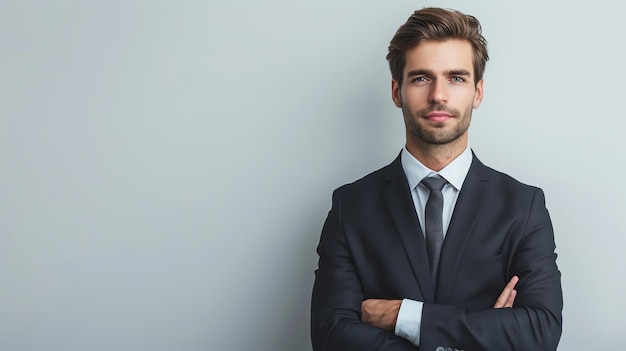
457	79
420	79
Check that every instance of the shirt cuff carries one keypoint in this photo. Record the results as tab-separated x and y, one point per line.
410	320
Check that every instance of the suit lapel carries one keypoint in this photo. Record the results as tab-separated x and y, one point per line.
397	197
466	213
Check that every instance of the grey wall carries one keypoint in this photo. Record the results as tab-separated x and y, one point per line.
166	166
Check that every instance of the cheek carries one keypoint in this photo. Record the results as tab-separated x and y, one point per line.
414	97
466	98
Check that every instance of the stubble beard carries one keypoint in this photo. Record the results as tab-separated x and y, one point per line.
438	134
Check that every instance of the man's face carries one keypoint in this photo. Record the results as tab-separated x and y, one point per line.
438	92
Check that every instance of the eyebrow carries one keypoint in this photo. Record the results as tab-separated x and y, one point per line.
452	72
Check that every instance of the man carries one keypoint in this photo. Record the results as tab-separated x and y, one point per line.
437	251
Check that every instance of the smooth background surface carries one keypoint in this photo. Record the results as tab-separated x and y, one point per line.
166	167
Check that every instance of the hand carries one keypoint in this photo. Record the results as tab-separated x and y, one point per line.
380	313
507	297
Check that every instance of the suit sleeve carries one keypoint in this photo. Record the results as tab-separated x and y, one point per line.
337	296
534	322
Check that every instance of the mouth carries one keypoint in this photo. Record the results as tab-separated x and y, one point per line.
438	116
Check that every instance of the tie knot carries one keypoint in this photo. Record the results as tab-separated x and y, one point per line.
435	183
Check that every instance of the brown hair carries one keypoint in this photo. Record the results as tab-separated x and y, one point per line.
437	24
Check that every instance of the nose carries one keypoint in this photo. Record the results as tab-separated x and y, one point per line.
439	92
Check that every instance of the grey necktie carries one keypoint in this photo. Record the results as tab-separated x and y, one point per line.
434	222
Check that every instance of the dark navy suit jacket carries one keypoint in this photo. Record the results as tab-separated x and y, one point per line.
372	247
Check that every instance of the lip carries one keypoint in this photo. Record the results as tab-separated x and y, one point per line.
438	116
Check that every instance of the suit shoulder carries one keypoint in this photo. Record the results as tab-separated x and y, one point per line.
375	177
368	183
506	181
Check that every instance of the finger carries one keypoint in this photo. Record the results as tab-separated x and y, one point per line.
501	301
511	299
506	292
511	284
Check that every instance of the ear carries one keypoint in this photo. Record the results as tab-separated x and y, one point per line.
395	93
478	96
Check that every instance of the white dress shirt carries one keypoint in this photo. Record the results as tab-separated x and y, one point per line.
410	315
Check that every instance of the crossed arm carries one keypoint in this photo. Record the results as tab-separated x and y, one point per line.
383	313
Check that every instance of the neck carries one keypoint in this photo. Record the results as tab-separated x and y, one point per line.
436	156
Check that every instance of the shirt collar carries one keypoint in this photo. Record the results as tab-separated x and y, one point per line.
455	172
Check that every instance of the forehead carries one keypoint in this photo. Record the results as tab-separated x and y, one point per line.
440	56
